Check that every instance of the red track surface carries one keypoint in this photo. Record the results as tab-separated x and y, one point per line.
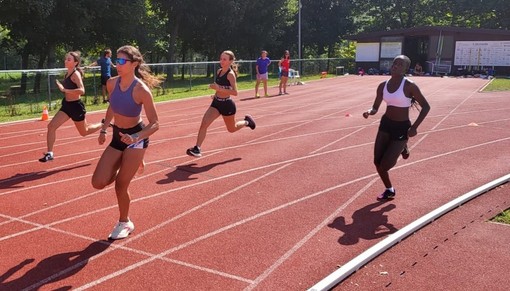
277	208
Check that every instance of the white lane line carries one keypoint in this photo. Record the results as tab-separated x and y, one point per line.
216	232
214	151
161	255
254	217
113	247
86	196
362	259
338	275
307	237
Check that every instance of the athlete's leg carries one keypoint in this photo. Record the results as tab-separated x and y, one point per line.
57	121
381	144
210	115
392	154
232	125
130	162
107	167
85	129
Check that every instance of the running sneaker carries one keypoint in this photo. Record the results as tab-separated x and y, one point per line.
47	157
405	153
194	152
257	95
266	95
251	122
122	230
386	195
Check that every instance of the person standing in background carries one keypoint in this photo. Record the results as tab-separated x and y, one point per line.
262	75
284	64
105	62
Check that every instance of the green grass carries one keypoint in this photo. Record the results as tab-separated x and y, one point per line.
503	217
498	85
30	105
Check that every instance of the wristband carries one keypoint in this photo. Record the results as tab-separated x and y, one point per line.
103	131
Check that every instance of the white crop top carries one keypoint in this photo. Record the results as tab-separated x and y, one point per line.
397	98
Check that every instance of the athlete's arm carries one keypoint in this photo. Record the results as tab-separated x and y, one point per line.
425	108
377	102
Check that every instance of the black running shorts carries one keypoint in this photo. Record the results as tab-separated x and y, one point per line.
225	106
74	109
396	129
117	144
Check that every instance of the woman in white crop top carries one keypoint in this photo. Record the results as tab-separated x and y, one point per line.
395	128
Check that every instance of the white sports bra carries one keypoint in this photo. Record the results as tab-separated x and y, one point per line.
397	98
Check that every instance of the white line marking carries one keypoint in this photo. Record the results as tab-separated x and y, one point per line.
368	255
305	239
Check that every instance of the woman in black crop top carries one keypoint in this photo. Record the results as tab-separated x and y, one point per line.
395	127
72	107
224	85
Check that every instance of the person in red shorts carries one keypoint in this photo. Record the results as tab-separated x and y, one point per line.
284	64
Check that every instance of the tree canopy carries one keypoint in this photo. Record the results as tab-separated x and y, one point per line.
41	31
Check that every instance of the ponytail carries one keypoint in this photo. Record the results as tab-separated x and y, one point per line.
143	72
235	68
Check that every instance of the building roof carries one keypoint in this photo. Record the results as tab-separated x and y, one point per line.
427	30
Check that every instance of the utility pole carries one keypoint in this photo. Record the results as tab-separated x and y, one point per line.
299	36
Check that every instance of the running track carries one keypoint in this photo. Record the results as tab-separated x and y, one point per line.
278	208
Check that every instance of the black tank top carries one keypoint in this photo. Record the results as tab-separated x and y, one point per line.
68	83
222	80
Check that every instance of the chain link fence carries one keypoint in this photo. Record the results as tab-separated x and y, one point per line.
25	92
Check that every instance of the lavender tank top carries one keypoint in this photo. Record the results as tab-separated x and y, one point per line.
122	102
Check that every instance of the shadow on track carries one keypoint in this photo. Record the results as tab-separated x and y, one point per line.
52	269
185	172
367	223
18	178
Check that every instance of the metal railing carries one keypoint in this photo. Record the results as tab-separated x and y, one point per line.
39	88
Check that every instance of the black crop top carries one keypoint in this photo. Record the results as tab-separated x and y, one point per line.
68	83
222	80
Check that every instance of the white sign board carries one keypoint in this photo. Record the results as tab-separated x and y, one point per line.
367	52
482	53
389	50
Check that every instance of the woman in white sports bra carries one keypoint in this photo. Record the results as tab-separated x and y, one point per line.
395	128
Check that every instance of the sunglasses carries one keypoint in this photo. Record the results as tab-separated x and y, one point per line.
122	61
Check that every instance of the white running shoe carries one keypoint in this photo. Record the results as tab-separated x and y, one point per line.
122	230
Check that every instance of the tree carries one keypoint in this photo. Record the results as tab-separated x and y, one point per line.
325	22
40	26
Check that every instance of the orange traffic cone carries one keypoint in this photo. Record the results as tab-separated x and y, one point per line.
44	113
